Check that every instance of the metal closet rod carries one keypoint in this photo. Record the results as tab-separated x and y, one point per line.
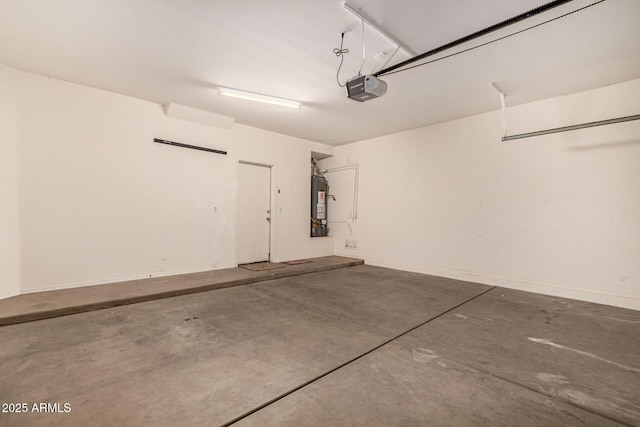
572	127
491	29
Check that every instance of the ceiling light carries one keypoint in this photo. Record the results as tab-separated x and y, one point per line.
259	97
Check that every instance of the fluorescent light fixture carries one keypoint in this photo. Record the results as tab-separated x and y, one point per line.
259	97
362	16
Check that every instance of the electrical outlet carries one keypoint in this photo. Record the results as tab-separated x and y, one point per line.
351	244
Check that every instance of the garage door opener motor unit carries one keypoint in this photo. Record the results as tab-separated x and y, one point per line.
364	88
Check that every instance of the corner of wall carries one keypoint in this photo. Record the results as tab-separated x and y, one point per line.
551	215
10	253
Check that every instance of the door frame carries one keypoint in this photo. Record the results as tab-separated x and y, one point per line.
272	198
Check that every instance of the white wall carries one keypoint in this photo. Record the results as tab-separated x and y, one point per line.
557	214
9	209
101	202
290	159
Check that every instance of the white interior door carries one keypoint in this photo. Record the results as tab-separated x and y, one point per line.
254	213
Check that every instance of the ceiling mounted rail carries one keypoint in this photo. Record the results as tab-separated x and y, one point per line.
477	34
361	15
572	127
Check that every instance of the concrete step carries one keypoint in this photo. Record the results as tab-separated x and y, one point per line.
45	305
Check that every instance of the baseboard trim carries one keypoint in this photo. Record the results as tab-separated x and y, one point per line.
618	300
8	294
118	279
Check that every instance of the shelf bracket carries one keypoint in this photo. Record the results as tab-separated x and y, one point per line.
504	110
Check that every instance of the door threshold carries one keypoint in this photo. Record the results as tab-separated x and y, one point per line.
261	266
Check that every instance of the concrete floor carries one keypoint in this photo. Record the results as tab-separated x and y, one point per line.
356	346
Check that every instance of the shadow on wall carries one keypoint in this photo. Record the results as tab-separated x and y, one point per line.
603	144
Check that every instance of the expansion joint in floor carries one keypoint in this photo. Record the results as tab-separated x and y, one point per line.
350	361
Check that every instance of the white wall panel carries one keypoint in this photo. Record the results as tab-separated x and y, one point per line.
9	206
101	202
558	214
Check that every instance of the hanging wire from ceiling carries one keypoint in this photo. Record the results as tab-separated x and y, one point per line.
383	73
340	52
364	53
383	66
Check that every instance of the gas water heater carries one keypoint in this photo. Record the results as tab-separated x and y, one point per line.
319	190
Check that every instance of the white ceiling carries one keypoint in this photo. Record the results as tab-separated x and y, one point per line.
181	51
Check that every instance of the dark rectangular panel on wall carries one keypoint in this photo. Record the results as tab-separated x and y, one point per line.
194	147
